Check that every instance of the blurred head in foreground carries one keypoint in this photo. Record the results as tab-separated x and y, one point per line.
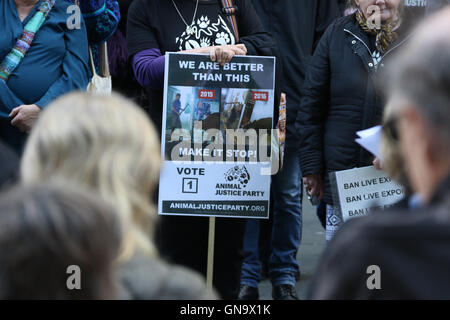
419	107
106	144
54	238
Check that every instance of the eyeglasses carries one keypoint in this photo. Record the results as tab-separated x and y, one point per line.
390	128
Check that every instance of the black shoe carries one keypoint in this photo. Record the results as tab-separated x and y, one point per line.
248	293
284	292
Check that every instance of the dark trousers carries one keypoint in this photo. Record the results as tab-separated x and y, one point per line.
11	136
286	232
184	241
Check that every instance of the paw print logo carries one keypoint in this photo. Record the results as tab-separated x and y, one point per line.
222	38
238	174
205	42
376	57
203	22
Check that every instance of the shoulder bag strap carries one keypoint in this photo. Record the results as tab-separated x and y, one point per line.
230	10
104	62
91	63
15	57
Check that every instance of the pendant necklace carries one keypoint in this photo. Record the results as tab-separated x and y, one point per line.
189	28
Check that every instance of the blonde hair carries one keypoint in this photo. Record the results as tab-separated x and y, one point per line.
107	144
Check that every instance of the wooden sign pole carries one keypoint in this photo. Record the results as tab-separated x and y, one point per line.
210	263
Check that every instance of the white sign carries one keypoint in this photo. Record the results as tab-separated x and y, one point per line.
216	141
358	191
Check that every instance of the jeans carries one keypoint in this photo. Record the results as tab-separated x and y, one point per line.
286	232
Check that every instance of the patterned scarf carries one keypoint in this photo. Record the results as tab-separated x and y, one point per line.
13	59
384	36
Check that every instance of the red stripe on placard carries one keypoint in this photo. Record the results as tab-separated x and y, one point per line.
260	96
207	94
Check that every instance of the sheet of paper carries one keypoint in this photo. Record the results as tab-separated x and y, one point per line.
370	140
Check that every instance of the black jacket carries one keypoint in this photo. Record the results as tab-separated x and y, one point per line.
409	247
339	98
154	24
296	27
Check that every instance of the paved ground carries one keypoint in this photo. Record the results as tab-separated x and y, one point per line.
311	247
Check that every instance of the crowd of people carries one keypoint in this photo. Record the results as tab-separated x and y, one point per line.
79	171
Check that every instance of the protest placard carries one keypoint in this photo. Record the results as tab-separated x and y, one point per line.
216	136
358	191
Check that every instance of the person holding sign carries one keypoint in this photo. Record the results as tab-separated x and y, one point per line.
403	254
192	27
340	98
201	26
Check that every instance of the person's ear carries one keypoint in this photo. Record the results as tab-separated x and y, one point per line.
424	135
413	117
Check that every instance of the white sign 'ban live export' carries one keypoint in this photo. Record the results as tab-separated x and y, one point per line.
361	190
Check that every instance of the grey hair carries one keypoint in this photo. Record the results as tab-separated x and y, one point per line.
422	77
